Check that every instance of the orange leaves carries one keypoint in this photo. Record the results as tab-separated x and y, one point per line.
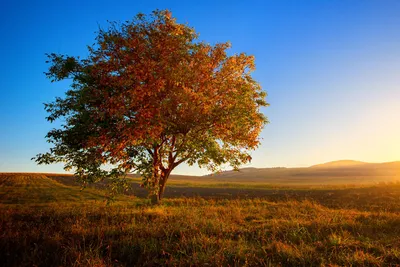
148	82
167	14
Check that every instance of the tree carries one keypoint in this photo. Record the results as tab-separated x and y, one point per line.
149	97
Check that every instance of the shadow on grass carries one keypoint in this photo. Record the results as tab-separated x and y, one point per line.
99	237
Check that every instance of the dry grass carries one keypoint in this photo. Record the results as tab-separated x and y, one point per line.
282	231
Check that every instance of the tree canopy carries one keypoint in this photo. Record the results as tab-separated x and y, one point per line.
150	96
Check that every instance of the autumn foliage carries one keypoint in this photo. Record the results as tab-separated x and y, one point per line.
149	97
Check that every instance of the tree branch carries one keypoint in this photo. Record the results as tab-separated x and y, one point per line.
171	158
150	152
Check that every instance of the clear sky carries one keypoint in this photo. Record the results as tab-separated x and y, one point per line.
331	70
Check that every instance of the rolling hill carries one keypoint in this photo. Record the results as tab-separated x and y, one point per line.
336	172
339	164
25	188
20	188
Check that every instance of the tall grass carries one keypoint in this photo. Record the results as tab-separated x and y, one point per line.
200	232
46	223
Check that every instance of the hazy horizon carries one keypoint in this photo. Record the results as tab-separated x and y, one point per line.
342	163
330	68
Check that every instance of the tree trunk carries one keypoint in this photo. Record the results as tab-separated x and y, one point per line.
156	198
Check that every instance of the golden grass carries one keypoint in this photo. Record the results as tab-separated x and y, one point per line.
198	232
282	231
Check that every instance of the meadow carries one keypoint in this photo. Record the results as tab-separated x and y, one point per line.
47	220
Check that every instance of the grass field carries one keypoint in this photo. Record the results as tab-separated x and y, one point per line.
46	220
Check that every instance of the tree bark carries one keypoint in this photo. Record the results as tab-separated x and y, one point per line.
156	198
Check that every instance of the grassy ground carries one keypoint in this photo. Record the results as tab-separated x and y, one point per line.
47	223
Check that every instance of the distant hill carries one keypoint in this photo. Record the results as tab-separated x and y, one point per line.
347	172
339	163
335	172
390	165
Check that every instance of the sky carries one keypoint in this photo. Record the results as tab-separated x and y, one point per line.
331	70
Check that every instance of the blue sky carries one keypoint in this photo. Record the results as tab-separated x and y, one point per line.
331	70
